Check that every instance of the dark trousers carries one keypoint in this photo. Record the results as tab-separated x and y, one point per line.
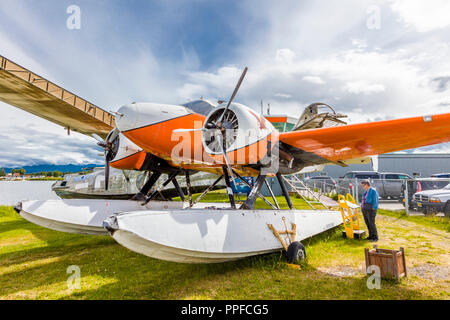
369	219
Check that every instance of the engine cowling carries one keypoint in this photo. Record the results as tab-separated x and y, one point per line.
247	135
124	154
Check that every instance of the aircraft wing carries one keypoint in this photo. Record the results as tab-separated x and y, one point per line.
28	91
338	144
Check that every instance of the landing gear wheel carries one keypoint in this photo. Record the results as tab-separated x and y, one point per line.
296	252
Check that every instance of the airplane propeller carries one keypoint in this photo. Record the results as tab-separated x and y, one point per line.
107	146
221	126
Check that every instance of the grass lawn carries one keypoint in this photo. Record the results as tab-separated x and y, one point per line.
34	260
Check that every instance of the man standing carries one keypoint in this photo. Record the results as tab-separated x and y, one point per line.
369	209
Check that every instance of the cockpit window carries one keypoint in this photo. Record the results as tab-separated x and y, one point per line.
202	107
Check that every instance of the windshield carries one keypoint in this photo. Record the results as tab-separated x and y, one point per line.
200	106
447	187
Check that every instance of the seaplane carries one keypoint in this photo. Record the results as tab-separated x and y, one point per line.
232	141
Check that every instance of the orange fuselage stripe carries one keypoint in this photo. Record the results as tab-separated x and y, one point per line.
132	162
185	149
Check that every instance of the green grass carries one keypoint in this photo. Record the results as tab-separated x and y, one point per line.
442	223
34	260
46	179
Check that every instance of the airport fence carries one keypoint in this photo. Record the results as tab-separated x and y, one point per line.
326	187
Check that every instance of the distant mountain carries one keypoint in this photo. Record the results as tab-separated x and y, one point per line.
52	167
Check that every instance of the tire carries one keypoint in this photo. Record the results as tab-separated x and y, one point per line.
296	252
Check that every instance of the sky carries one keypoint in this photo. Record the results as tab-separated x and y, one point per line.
372	60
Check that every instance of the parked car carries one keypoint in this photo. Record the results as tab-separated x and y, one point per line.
391	185
418	185
440	175
388	184
436	200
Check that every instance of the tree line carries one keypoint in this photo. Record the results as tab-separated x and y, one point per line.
22	172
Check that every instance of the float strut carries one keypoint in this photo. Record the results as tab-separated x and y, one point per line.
178	188
250	202
188	187
147	186
229	190
285	191
271	193
207	190
259	193
153	195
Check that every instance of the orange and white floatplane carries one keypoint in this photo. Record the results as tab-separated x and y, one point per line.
230	140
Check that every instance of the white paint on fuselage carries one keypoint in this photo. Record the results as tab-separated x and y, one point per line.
138	115
126	148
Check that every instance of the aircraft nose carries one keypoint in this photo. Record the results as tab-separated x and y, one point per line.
127	117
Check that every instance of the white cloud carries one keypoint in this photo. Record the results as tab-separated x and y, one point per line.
30	140
424	16
284	56
359	87
313	79
283	95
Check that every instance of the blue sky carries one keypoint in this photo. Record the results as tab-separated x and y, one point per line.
370	59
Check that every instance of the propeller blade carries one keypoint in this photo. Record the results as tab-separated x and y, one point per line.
106	171
98	138
227	161
187	130
236	89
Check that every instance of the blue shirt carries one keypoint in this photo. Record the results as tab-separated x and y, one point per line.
372	198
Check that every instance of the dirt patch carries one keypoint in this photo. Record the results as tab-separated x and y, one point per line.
425	271
341	271
430	271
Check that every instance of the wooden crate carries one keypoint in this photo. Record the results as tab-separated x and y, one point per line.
391	262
